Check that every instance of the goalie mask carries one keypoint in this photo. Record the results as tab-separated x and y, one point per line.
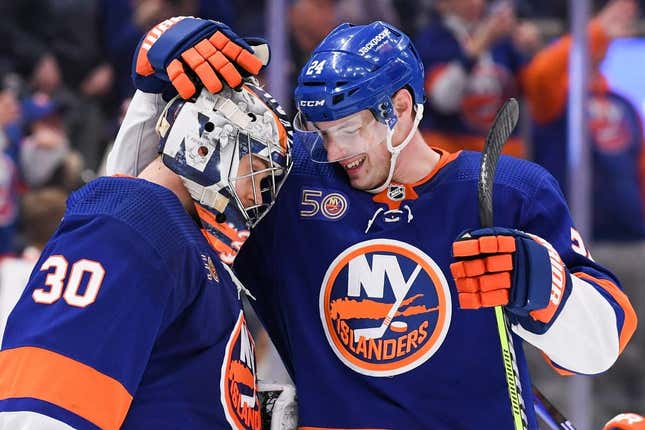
233	152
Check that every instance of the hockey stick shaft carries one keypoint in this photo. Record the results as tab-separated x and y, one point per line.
502	127
549	413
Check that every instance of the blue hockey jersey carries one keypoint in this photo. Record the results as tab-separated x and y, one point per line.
355	291
129	320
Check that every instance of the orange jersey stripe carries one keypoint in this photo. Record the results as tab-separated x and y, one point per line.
51	377
223	227
445	158
217	244
631	320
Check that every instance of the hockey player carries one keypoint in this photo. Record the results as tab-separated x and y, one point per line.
129	319
377	323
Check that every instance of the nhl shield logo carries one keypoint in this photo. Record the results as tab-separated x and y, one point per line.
385	307
238	383
396	192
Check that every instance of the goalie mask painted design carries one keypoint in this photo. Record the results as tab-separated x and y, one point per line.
233	153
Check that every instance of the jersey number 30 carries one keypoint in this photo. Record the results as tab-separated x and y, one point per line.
55	280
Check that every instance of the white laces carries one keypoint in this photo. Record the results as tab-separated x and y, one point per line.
393	216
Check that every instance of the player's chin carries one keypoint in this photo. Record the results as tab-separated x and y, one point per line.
363	184
359	183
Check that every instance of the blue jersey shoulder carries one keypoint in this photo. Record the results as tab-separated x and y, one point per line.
521	175
151	210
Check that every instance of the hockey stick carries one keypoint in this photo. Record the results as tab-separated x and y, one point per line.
377	332
502	127
549	414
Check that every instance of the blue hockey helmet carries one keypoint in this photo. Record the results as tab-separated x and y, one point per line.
358	67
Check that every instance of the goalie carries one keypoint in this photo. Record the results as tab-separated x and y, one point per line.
130	320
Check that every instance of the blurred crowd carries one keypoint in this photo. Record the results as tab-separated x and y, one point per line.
65	82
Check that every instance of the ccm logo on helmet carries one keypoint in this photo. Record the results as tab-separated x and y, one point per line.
374	41
312	103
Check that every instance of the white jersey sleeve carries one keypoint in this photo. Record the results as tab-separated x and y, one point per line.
583	338
137	142
24	420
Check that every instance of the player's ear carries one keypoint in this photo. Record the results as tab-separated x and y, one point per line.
402	102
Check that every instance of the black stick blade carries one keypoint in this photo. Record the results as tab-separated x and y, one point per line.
502	127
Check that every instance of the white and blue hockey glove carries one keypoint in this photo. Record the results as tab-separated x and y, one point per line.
506	267
189	52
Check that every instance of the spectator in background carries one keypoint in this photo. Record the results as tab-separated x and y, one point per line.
311	20
40	214
46	157
413	14
615	130
472	60
25	28
55	43
55	46
616	142
9	113
122	23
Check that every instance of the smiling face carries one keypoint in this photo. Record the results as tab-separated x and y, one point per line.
357	144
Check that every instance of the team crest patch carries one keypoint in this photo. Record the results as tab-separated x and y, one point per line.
385	307
322	204
238	382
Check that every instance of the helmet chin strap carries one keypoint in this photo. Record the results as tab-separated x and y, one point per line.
396	150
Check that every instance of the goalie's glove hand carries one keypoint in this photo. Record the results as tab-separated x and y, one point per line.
506	267
626	421
190	52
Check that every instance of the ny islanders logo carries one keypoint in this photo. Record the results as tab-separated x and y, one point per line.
238	383
385	307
